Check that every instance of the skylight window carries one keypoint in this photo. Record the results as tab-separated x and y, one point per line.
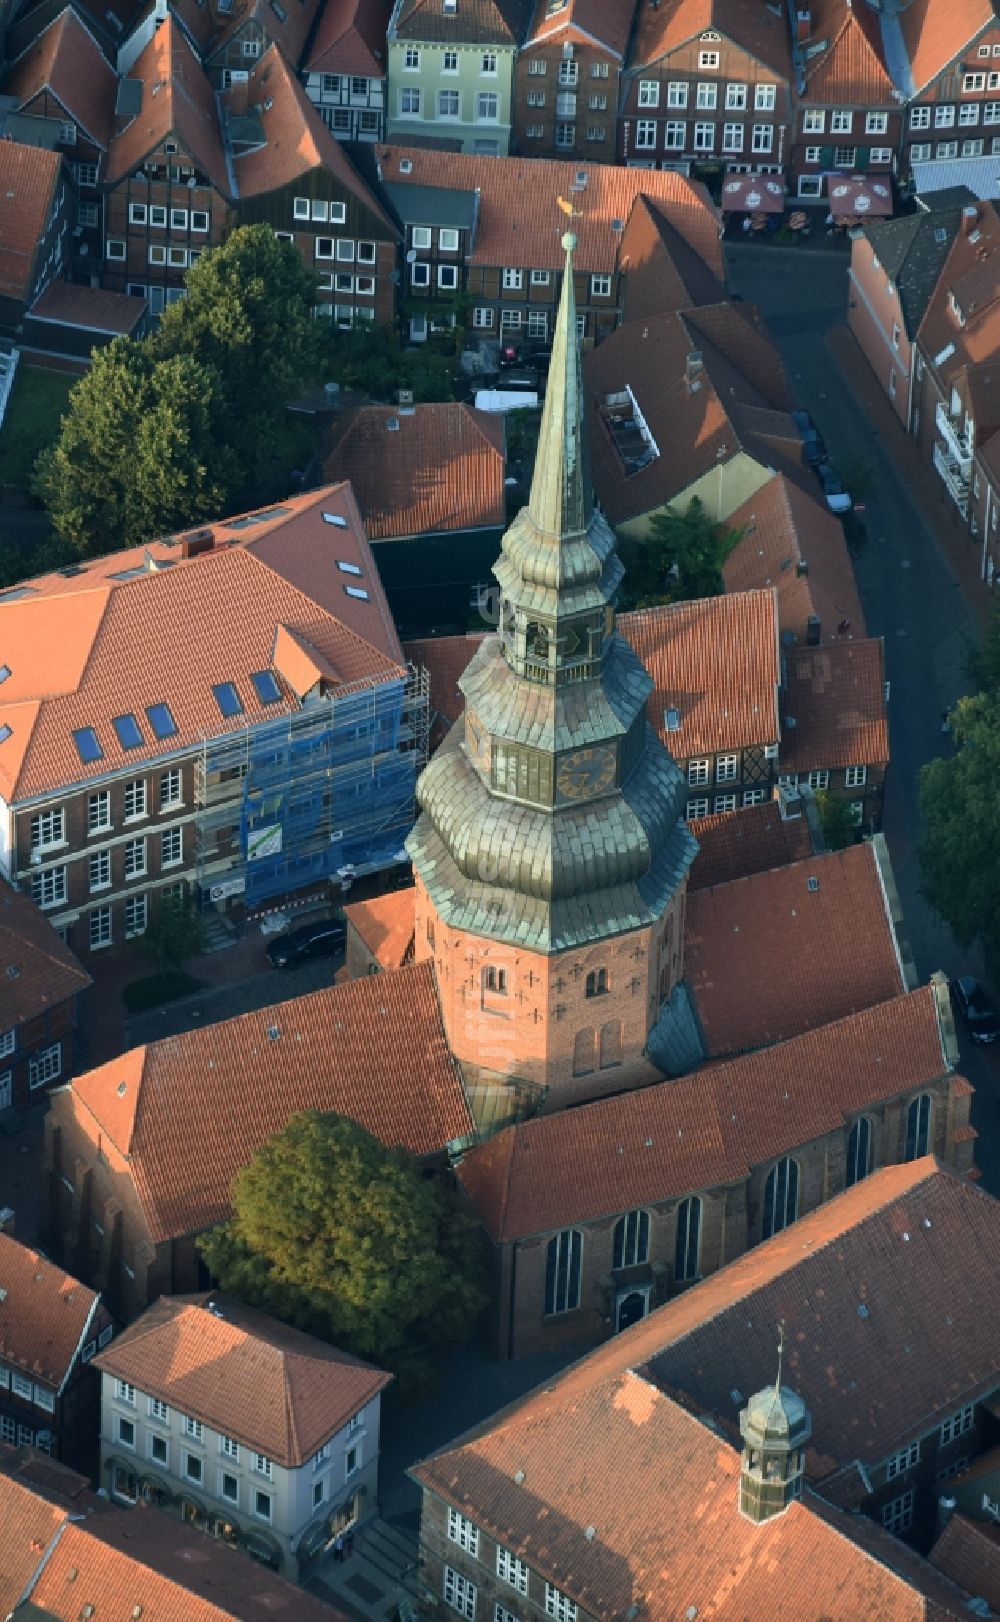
258	518
266	686
335	518
129	732
4	733
161	720
357	591
347	568
227	698
4	672
87	745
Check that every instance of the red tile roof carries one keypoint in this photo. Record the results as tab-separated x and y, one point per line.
836	695
441	469
385	924
789	541
584	21
28	179
243	1373
444	658
482	22
851	71
572	1477
40	970
296	140
29	1524
830	951
507	236
661	271
734	844
716	662
371	1049
67	60
971	275
83	648
94	308
969	1553
934	34
707	1129
752	27
44	1314
351	38
177	101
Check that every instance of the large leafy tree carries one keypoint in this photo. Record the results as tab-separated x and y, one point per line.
348	1239
137	455
960	851
680	558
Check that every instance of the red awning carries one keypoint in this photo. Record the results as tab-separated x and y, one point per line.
859	197
753	194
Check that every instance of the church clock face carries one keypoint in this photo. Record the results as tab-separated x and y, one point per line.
586	772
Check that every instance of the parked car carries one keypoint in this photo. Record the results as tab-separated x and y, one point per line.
837	498
296	946
813	447
512	354
975	1007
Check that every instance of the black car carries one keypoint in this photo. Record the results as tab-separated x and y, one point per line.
976	1009
310	940
813	447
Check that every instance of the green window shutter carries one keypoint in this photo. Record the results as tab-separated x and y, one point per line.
862	157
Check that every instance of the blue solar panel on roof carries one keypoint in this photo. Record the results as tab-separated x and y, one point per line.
87	746
129	732
227	698
161	720
266	686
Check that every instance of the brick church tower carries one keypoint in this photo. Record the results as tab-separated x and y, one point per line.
551	856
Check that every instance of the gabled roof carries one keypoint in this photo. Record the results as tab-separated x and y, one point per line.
823	929
969	1553
373	1050
385	924
851	71
444	658
438	468
933	35
44	1314
288	29
735	844
749	24
475	22
177	101
739	401
969	282
791	542
714	661
243	1373
67	60
295	139
588	1450
89	645
585	21
350	38
94	309
836	695
39	970
912	250
661	270
707	1129
28	178
30	1522
507	236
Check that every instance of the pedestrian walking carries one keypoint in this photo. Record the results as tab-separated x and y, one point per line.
338	1547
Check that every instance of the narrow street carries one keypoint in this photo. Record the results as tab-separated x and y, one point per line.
916	593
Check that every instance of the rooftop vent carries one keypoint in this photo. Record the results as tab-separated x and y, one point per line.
518	1477
590	1533
812	884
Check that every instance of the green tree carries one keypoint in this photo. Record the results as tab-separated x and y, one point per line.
343	1237
680	558
136	455
960	850
835	819
982	660
174	932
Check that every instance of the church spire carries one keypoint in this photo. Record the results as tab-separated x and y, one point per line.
559	502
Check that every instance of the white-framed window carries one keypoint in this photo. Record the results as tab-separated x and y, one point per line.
45	1399
352	1460
488	65
448	241
754	796
411	59
448	277
230	1447
761	138
946	149
645	133
696	808
86	174
708	59
21	1386
420	274
135	799
421	236
880	154
114	248
100	928
727	768
921	150
510	320
135	858
192	1427
170	788
157	215
537	67
559	1605
903	1461
813	121
482	316
125	1392
513	280
100	870
677	94
87	213
463	1532
158	1410
704	137
957	1424
511	1569
487	106
725	802
178	219
541	278
897	1516
565	134
171	847
99	811
600	286
569	73
732	137
157	254
199	219
136	213
48	828
674	134
855	776
764	98
563	1266
251	47
920	118
48	889
876	123
538	324
125	1432
300	208
8	1042
944	117
969	113
536	98
973	81
459	1593
736	98
599	70
263	1465
448	103
409	102
819	779
192	1467
698	772
649	92
841	122
449	63
707	97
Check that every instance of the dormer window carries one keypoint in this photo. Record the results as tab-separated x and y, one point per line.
955	309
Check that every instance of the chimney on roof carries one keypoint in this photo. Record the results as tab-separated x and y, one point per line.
192	546
803	26
813	628
802	568
970	219
693	368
